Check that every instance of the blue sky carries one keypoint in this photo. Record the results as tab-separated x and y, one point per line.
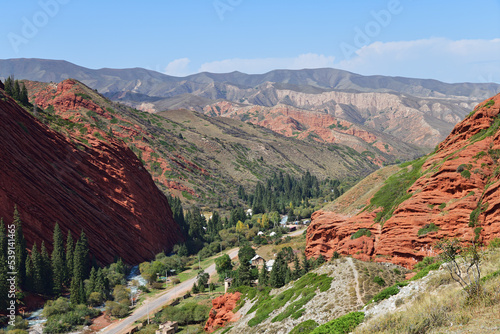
452	41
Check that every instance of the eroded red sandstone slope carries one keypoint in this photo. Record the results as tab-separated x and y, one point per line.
461	178
102	189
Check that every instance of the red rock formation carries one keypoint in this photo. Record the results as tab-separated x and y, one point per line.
102	189
221	312
444	195
293	122
70	100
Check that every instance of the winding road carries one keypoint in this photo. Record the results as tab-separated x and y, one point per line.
151	305
158	301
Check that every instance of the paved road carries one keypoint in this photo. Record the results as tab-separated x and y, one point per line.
125	324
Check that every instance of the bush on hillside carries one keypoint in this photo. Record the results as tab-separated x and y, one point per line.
343	325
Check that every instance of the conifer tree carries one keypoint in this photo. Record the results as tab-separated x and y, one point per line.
9	86
3	266
244	274
46	270
92	282
81	259
29	274
58	261
297	270
319	261
17	90
263	276
20	249
74	297
102	284
306	265
82	297
23	97
36	260
69	258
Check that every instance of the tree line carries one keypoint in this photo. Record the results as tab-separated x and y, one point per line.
17	90
68	267
283	192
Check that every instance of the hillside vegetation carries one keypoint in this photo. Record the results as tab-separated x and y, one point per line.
197	158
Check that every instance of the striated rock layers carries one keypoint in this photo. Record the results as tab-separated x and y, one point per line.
319	126
101	188
221	312
457	194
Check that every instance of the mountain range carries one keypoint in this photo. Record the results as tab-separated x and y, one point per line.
419	112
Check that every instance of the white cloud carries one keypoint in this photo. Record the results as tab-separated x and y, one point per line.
178	67
262	65
473	60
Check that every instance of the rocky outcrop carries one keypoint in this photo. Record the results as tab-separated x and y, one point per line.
222	311
318	126
71	101
100	188
456	195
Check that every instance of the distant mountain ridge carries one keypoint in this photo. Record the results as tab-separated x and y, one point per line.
327	78
419	112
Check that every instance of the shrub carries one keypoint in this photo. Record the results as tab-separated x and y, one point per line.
67	321
58	306
118	310
428	228
361	232
489	104
465	174
424	271
495	243
157	285
189	313
95	299
379	280
453	253
343	325
143	288
387	292
305	327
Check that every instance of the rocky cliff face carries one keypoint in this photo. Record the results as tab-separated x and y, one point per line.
457	194
320	127
222	311
100	188
71	101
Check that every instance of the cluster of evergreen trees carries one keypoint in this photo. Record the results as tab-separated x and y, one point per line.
280	274
281	190
281	193
17	90
67	266
196	229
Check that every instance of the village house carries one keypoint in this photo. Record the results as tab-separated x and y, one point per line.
258	261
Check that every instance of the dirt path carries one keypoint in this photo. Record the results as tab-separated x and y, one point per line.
355	272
